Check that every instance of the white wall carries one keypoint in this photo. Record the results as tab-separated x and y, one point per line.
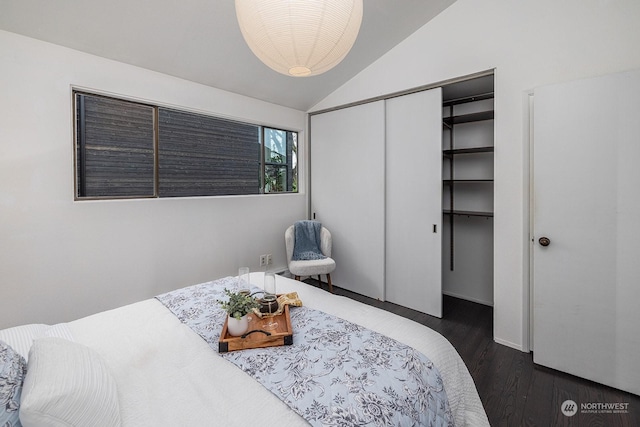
61	259
529	43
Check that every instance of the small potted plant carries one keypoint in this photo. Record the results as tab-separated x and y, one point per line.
237	307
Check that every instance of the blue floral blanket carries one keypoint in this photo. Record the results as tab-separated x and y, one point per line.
336	373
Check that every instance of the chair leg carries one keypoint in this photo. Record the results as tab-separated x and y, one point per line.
296	278
329	283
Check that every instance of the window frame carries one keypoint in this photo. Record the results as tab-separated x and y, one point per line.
76	146
289	167
156	107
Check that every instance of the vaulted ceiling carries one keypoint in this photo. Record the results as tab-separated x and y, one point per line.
199	40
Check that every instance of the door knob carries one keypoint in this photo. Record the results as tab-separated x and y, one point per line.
544	241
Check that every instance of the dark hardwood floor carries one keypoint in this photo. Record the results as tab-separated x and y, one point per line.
513	390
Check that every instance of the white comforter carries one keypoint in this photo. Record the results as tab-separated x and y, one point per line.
168	376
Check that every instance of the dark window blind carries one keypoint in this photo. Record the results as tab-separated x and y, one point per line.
129	149
206	156
115	154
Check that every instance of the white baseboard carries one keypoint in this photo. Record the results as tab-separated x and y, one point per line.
281	271
510	344
464	297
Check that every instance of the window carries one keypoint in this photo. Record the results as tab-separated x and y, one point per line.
115	148
129	149
205	156
280	160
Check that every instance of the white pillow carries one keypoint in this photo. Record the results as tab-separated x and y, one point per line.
67	384
21	337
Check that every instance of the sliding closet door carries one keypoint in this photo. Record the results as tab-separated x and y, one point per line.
347	192
586	242
413	202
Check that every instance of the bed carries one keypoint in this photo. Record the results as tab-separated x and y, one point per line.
139	365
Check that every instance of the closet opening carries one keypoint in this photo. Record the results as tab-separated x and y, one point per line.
467	189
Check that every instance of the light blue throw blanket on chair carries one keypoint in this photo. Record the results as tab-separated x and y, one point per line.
307	241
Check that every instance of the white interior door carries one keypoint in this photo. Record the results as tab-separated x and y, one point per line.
347	192
414	201
586	281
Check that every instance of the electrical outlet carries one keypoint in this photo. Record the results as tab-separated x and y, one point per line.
263	260
269	260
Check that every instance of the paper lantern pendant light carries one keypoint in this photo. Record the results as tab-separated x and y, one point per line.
300	37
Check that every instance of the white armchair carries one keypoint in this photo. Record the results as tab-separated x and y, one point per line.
315	267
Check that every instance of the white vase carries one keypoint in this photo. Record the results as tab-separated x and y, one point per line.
237	327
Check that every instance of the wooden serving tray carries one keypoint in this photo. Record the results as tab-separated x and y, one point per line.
257	336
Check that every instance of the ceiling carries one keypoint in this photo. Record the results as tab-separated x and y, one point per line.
199	40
